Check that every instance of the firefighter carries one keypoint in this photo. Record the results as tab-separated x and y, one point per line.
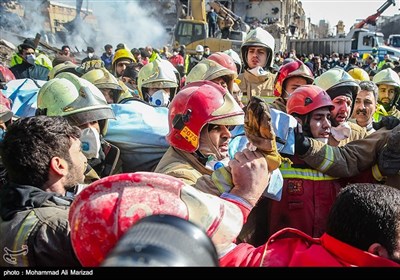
289	77
218	67
388	82
205	111
257	54
83	105
158	82
114	91
343	89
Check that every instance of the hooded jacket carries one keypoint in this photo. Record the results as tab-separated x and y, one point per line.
34	228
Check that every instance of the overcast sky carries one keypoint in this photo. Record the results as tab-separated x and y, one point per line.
347	10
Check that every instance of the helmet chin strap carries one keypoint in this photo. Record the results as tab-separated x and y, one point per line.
212	149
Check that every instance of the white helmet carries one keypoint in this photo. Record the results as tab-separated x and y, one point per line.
199	48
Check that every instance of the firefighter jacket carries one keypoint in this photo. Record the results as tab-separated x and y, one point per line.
186	166
261	86
293	248
369	128
307	197
348	160
34	228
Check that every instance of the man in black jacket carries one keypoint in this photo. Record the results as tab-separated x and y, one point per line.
34	204
28	68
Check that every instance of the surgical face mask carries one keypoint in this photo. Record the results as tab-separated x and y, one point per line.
30	58
207	52
199	56
159	98
258	71
175	53
90	55
90	142
341	131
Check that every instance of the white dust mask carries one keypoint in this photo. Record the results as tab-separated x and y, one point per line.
258	71
341	132
159	98
91	145
30	58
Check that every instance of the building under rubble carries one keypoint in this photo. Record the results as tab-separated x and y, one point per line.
55	20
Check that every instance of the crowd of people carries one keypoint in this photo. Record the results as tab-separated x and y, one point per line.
280	159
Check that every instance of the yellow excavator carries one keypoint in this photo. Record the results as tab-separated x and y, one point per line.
193	29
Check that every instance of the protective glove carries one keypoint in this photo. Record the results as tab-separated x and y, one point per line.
259	131
389	158
302	143
389	122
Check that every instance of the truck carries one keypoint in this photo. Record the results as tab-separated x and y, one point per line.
193	29
394	41
359	39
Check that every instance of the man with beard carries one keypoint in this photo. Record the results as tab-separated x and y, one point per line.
342	89
388	83
34	204
365	105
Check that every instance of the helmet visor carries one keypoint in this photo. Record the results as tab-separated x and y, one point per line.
96	114
229	113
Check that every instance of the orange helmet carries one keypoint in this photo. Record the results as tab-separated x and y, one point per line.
197	104
106	209
308	98
294	68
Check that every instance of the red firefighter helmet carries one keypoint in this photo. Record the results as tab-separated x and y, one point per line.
224	59
106	209
308	98
197	104
5	76
294	68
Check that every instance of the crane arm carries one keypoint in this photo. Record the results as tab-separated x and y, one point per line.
372	18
